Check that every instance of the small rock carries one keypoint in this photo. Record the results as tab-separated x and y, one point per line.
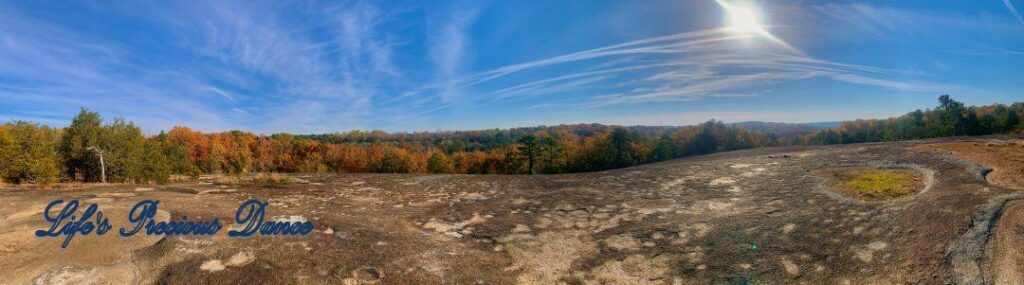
521	228
241	259
212	265
367	274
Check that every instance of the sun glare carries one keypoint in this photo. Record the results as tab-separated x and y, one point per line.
744	19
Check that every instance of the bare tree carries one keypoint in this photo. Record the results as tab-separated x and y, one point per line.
103	167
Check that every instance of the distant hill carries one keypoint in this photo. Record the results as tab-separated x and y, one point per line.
785	129
824	125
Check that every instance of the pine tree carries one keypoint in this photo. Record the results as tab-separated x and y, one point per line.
620	140
529	149
84	133
28	153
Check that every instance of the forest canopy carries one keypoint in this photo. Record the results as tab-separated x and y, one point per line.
38	154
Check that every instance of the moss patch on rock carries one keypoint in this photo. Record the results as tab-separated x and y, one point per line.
872	184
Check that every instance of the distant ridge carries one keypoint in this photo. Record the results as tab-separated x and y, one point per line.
785	129
824	125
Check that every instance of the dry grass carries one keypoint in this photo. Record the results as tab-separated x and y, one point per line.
875	184
259	179
176	178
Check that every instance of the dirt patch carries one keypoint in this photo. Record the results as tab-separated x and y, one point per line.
1005	157
1006	259
873	184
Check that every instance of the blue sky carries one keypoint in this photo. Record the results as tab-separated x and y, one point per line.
312	67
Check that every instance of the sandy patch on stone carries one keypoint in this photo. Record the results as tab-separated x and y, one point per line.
866	252
673	183
291	219
453	229
788	228
547	258
83	274
241	259
593	222
791	268
722	181
472	196
212	265
716	207
635	269
217	191
650	206
622	242
115	195
364	275
33	212
521	228
754	172
689	232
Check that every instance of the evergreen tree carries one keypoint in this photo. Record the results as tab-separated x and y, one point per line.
77	146
28	154
664	149
123	147
552	154
155	167
529	149
952	114
1009	120
704	142
620	140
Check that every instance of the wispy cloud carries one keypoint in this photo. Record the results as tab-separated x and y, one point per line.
909	86
1009	6
679	68
313	74
57	69
795	116
448	49
308	66
223	93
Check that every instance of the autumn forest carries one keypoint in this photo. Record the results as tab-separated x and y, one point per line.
31	153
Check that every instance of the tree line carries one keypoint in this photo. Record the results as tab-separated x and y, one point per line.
34	153
949	118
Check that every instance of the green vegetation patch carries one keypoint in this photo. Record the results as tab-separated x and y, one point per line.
875	184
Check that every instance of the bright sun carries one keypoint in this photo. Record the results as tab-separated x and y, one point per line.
743	19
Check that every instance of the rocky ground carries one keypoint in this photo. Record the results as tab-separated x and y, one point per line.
746	217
